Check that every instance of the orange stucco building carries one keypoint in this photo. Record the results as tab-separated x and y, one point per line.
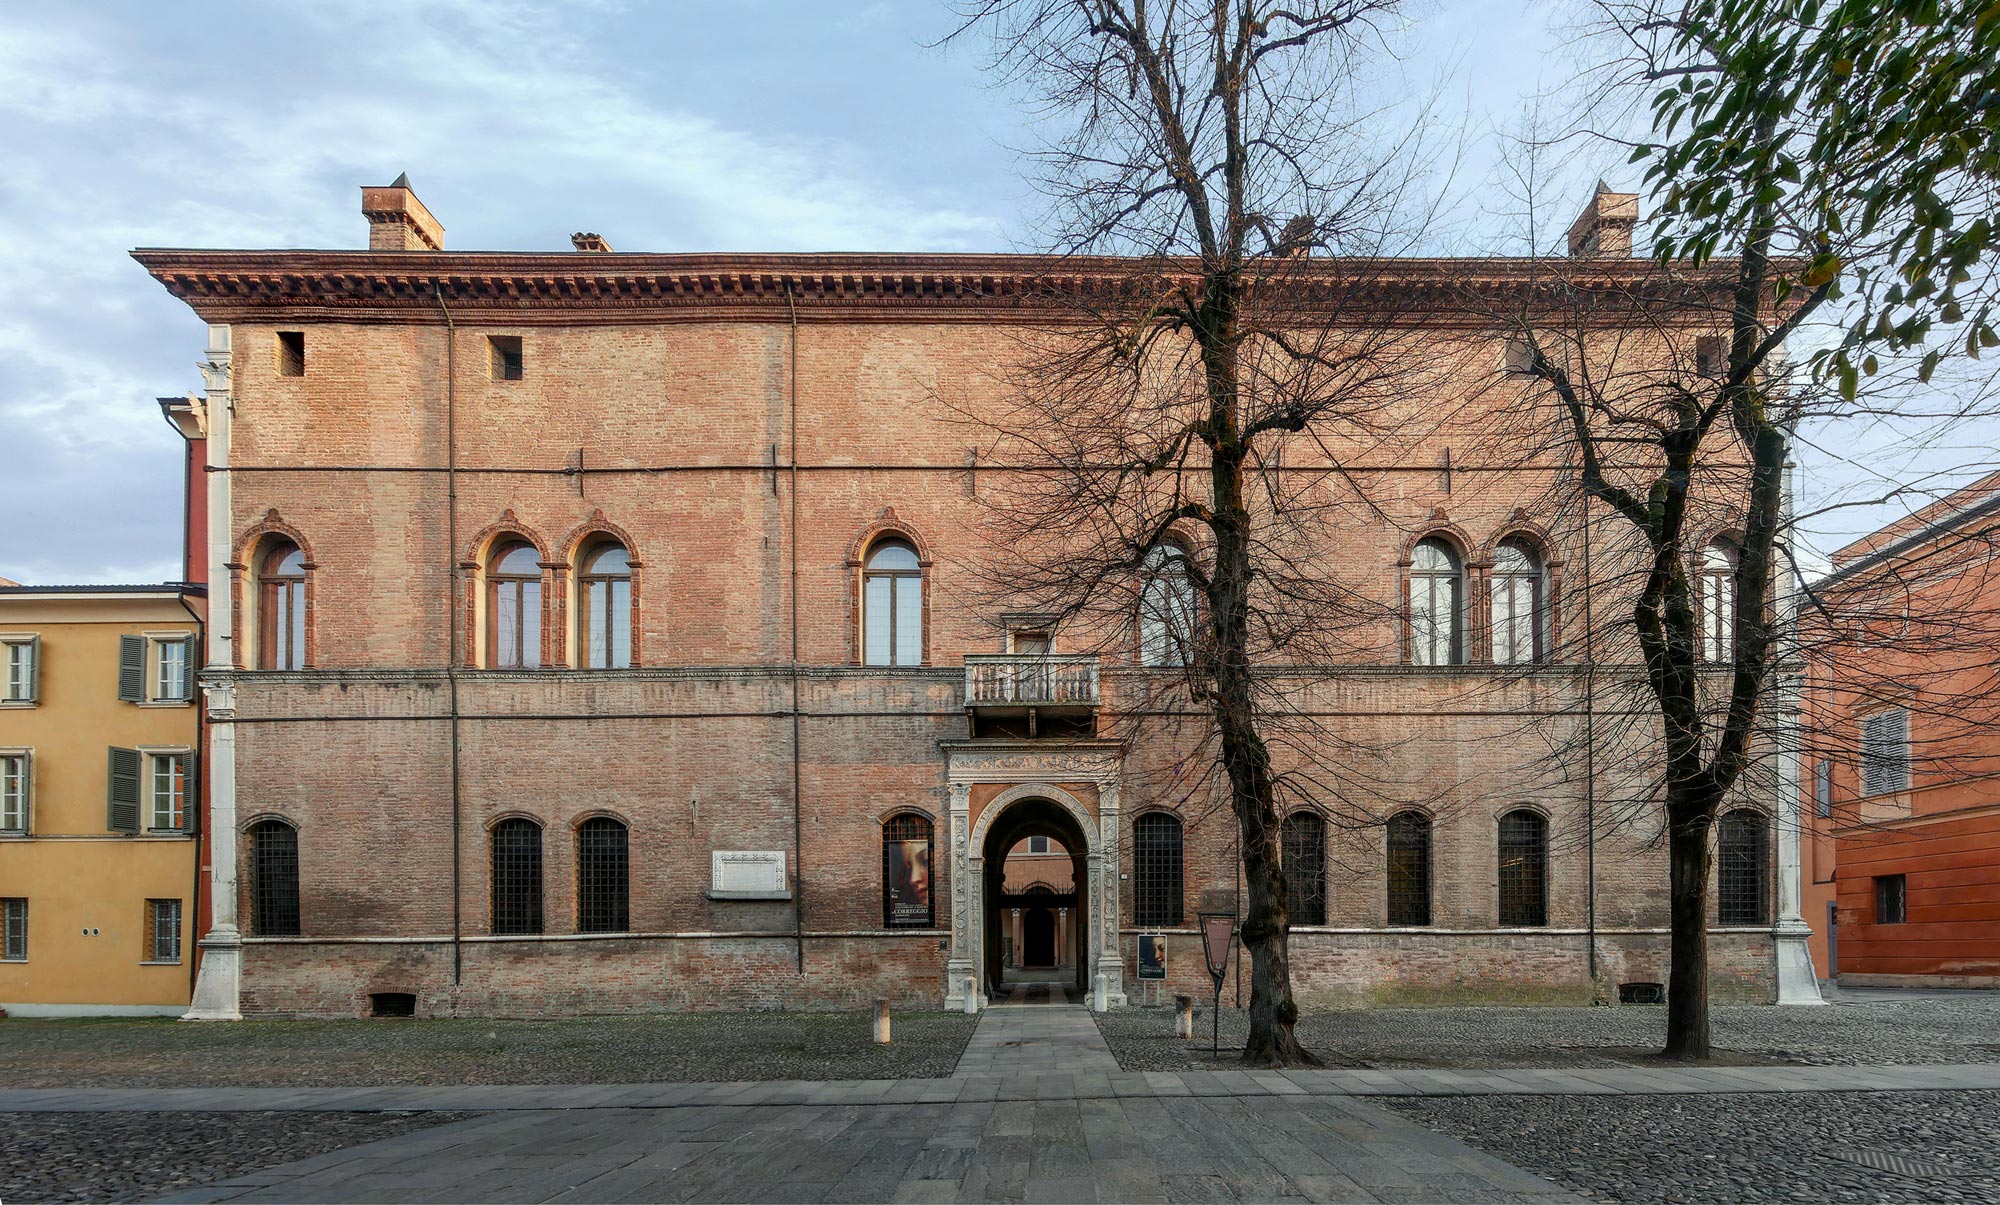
1902	867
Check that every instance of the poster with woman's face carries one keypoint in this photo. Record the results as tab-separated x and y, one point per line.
908	883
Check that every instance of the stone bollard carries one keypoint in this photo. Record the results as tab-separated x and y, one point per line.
881	1022
1184	1017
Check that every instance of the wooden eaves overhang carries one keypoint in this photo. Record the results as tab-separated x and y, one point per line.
553	289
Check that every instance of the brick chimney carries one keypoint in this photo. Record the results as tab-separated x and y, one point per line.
589	241
397	221
1604	229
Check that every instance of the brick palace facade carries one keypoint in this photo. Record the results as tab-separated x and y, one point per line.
594	632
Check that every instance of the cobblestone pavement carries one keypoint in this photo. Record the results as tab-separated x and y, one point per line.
1888	1028
1141	1149
136	1156
1847	1146
677	1047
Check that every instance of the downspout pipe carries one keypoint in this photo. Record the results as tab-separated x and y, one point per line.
792	542
451	593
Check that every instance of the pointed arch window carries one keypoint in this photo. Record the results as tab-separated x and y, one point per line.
1524	869
1437	591
1742	869
513	606
1303	848
517	877
1520	607
604	607
1409	869
892	605
1717	600
1168	609
281	606
274	879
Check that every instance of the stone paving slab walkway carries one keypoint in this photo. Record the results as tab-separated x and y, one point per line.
1073	1083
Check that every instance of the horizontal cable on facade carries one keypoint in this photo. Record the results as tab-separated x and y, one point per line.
783	466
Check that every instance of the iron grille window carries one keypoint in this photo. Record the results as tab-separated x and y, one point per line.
603	877
13	930
1156	869
1885	752
517	877
1891	899
163	931
1742	869
906	873
1304	842
274	879
1524	869
1409	869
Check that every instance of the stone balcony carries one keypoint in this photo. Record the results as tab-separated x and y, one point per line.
1031	694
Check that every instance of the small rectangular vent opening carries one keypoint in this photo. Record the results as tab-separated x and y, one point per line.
291	353
506	357
1642	993
392	1004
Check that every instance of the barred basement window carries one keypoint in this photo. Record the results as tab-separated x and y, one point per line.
1524	869
1156	869
163	930
1885	752
603	877
906	873
1891	899
274	879
1409	869
517	877
13	930
1304	849
1742	851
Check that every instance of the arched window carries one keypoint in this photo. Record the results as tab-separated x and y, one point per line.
1168	609
274	879
517	876
1520	624
892	605
906	873
1717	602
1303	842
1409	869
1437	582
513	606
281	606
1156	869
604	607
1524	869
603	877
1742	869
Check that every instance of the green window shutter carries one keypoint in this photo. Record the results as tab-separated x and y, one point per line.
122	793
34	669
132	669
191	793
187	672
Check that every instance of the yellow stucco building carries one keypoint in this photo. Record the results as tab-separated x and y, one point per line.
99	798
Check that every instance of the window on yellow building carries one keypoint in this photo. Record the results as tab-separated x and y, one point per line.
14	793
167	793
163	931
13	930
21	684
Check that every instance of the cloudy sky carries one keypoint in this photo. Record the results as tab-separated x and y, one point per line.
683	126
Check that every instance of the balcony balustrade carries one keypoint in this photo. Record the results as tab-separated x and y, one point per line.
1039	680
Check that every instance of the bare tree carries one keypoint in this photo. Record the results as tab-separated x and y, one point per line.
1217	148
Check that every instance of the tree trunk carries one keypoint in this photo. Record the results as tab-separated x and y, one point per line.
1687	977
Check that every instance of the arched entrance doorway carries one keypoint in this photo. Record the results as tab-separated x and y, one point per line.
1054	918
